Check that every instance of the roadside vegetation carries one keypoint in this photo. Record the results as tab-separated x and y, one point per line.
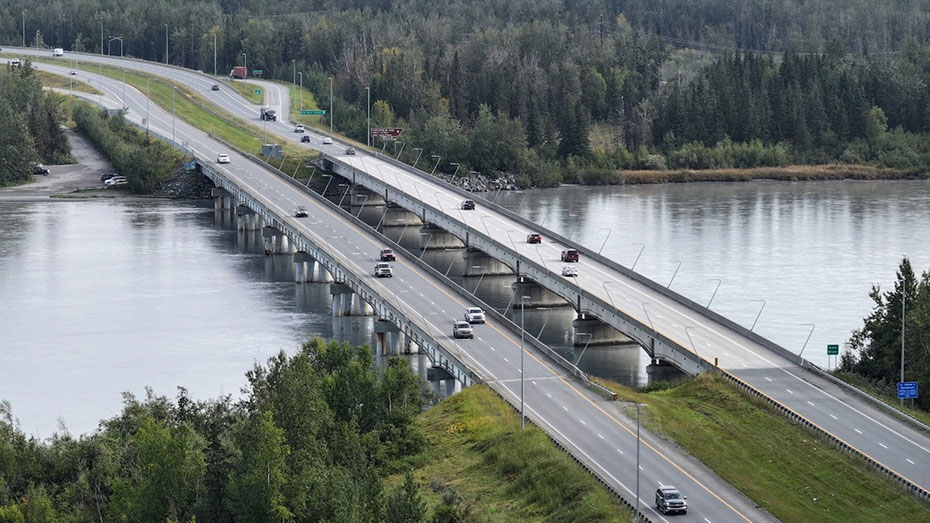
785	468
321	435
61	82
144	161
30	126
247	90
872	356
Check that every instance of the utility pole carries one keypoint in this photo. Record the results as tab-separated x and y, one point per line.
903	309
368	138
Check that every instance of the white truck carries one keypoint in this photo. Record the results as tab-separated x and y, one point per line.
58	51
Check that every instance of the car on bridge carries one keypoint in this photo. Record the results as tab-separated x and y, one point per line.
468	205
387	254
534	238
215	87
327	140
474	315
222	158
305	139
668	499
570	271
301	212
570	255
73	73
350	150
462	329
384	270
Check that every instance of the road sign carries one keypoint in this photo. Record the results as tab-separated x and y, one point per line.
907	389
833	350
305	112
387	134
258	91
257	71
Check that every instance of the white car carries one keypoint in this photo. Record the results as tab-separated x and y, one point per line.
327	140
299	128
116	180
384	270
222	158
569	270
474	315
461	329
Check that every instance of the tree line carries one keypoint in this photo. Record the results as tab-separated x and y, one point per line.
30	125
874	350
557	90
310	441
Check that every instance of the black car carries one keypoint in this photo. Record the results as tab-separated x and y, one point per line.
468	205
215	87
106	176
305	138
39	169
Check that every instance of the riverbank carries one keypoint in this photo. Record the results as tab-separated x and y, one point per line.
793	173
786	469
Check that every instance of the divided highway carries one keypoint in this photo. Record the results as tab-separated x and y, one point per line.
585	424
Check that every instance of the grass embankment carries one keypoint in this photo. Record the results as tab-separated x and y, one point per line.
792	173
477	450
888	396
196	110
247	90
62	82
785	468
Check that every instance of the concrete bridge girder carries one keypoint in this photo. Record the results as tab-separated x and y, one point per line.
432	237
538	296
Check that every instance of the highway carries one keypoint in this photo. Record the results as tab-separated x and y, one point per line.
585	424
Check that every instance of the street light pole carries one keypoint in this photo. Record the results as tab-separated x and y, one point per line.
368	137
673	276
438	158
166	44
173	90
809	334
301	74
24	32
330	104
757	315
714	295
642	247
420	149
456	171
903	300
214	53
638	405
522	351
294	79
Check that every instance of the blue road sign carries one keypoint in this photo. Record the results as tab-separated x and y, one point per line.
907	389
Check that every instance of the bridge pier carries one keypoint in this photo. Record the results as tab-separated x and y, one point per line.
433	237
395	216
303	267
479	262
362	196
247	219
539	296
347	303
588	330
275	240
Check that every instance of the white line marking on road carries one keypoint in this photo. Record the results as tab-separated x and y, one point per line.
564	408
505	359
811	403
789	391
533	382
857	430
602	437
883	445
834	417
582	422
768	378
620	451
641	467
549	395
707	520
909	461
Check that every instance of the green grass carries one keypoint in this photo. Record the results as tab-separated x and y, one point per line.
62	82
476	447
785	468
247	90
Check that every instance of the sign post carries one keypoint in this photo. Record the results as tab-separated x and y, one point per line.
832	350
258	92
907	390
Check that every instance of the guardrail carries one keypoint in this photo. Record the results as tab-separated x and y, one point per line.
914	488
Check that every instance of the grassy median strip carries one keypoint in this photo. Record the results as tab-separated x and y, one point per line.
785	468
477	454
62	82
247	90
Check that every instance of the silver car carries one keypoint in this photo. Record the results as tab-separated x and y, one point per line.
474	315
462	329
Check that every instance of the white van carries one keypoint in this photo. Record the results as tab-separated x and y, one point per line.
58	51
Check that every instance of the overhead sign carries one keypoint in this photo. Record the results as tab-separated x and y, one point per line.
387	134
315	111
258	91
833	350
907	389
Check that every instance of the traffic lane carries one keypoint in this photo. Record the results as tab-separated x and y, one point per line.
614	450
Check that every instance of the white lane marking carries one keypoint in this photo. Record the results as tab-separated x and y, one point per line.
602	437
564	408
641	467
505	359
549	395
620	451
909	461
811	403
883	445
834	417
789	391
857	430
707	520
768	378
533	382
582	422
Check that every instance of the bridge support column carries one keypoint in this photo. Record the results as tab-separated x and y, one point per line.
273	240
303	265
539	296
592	331
318	273
360	307
386	332
342	299
432	237
246	219
485	265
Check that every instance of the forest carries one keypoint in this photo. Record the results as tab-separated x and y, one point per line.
30	125
554	91
874	350
310	440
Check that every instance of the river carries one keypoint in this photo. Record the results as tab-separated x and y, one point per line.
102	297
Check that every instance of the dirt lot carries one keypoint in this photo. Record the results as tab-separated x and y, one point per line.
63	179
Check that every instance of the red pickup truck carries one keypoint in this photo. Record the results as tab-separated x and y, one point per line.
570	255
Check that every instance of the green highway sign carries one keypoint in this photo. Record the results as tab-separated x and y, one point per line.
257	71
306	112
258	91
833	350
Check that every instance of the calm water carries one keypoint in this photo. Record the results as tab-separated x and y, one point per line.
97	298
812	250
